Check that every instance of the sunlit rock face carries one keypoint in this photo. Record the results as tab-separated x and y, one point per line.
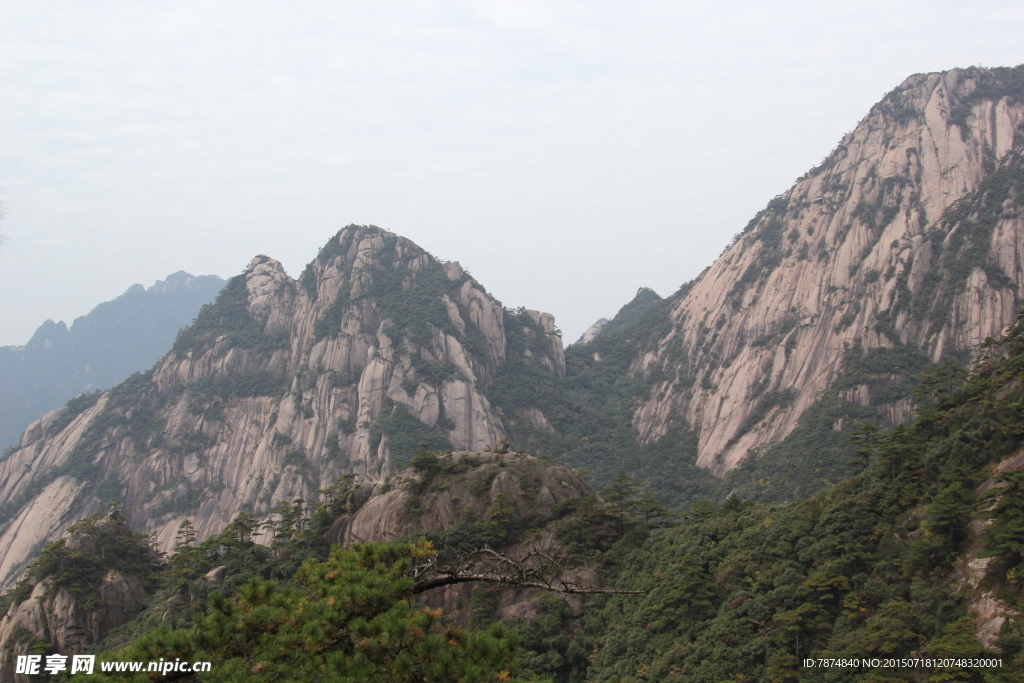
279	387
909	232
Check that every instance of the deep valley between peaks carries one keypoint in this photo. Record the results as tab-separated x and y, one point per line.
813	449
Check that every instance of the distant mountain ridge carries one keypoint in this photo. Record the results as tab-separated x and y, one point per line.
99	350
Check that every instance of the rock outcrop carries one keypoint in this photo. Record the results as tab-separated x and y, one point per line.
474	483
461	489
59	620
82	588
909	233
278	388
974	570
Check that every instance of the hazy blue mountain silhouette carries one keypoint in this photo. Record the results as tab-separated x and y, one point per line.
115	339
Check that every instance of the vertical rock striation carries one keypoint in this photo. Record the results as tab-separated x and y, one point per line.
277	389
908	233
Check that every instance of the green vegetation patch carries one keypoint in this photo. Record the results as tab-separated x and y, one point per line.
349	617
329	324
73	409
228	315
412	300
991	85
105	542
866	568
407	435
240	384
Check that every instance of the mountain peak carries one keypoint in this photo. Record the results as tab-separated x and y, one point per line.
280	386
868	249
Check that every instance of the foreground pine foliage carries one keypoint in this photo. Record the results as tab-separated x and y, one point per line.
349	618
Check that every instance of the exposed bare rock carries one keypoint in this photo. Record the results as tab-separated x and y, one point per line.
55	616
592	331
989	611
868	248
41	520
523	609
472	484
555	356
278	389
380	519
215	576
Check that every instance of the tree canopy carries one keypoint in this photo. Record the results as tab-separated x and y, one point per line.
351	618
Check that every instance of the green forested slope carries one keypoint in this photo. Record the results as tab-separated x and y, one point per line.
591	412
872	567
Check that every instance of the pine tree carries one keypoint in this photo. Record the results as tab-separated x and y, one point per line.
350	618
186	536
866	438
186	564
621	497
650	510
240	531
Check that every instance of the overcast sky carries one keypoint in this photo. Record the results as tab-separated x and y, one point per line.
566	153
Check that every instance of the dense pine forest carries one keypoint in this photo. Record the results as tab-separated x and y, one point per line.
893	563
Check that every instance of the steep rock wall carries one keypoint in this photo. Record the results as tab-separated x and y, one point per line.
908	233
471	487
279	387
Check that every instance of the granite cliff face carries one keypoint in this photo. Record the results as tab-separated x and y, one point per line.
278	388
84	587
470	491
909	234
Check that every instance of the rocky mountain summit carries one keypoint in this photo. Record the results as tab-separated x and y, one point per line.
903	245
278	388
